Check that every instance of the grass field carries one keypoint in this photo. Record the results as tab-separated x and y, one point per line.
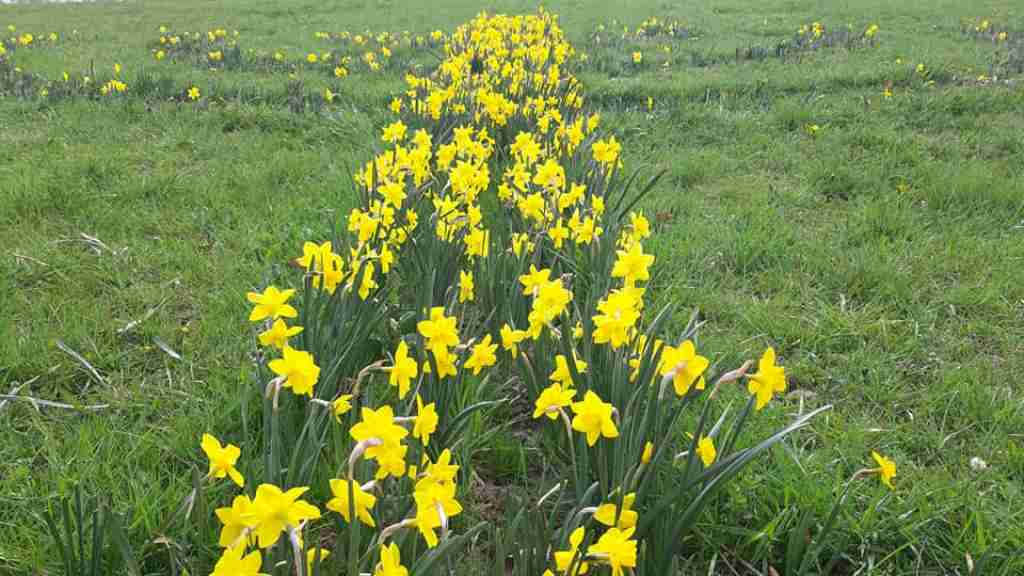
877	243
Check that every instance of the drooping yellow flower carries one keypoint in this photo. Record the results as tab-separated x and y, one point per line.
440	331
237	519
378	424
616	549
368	282
298	369
706	451
233	563
564	558
533	281
638	57
551	399
434	498
426	421
278	334
465	286
271	304
482	356
562	374
390	562
632	265
341	406
618	315
275	511
607	152
363	501
685	366
222	459
593	417
768	380
886	469
404	370
394	133
606	513
510	339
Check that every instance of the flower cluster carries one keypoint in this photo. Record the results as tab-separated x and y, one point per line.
496	215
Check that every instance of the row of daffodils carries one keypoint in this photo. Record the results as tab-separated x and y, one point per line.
495	254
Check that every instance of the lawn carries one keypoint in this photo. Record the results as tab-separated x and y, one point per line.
875	240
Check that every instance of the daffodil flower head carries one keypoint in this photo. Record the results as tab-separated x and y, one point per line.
278	334
685	367
551	400
483	356
364	501
616	548
886	469
593	417
390	562
341	406
276	511
233	563
222	459
768	380
606	513
272	303
237	520
564	558
297	368
706	451
405	369
426	421
435	504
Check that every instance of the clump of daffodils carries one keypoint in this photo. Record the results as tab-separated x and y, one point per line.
495	235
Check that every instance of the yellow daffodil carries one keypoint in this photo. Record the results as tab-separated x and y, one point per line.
593	417
616	549
886	469
684	365
426	421
465	286
380	425
222	459
298	369
510	339
768	380
233	563
364	501
272	303
564	558
275	510
551	400
482	356
433	499
341	406
238	520
278	334
440	331
394	133
632	265
404	370
562	375
706	451
390	562
606	513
